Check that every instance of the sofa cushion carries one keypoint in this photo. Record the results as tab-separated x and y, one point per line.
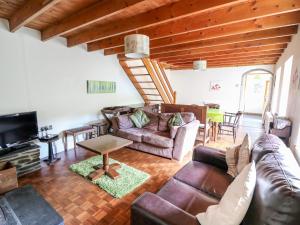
158	140
153	124
124	122
204	177
163	121
187	116
165	117
267	143
186	197
277	193
133	134
144	147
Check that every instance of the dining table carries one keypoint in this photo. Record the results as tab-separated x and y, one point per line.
215	116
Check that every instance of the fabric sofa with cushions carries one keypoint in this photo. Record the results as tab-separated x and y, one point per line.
203	181
156	137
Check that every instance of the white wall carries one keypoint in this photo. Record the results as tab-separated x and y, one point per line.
192	87
51	79
293	106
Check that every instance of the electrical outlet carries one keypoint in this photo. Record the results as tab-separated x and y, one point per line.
50	127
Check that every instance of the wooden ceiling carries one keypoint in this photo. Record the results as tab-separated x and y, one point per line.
223	32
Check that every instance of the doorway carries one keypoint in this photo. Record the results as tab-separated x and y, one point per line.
256	92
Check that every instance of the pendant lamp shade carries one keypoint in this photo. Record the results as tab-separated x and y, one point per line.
137	46
200	65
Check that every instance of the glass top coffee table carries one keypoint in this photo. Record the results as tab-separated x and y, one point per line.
104	145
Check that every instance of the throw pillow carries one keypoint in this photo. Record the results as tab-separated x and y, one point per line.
163	121
153	124
232	156
175	120
124	122
244	153
235	202
139	118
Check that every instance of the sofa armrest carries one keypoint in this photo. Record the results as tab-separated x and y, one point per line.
185	139
152	209
114	124
210	156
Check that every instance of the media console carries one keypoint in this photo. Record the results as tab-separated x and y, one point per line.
25	159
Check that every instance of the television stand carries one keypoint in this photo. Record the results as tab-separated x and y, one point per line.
25	159
21	146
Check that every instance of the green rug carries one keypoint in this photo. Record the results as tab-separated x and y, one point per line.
130	178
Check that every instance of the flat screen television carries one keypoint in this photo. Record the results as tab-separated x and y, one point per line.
18	128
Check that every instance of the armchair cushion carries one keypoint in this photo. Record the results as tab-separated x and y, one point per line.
207	178
210	156
186	197
152	209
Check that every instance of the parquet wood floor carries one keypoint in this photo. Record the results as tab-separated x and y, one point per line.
80	202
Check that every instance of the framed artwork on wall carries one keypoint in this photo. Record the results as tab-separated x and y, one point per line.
100	87
215	86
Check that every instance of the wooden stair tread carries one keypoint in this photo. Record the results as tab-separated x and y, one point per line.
136	67
152	94
144	82
140	75
147	88
156	76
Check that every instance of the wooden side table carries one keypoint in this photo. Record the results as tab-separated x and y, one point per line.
89	131
101	127
50	140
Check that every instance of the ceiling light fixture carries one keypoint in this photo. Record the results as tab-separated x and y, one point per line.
137	46
200	65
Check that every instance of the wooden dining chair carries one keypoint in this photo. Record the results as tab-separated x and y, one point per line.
230	124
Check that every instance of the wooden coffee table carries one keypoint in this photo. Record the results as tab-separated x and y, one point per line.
104	145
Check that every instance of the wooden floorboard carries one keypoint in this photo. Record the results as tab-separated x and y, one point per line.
81	202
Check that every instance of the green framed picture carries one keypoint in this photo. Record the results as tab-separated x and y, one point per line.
100	87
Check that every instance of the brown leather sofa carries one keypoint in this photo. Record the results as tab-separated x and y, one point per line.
203	181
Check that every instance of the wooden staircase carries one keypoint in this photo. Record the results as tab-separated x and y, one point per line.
150	80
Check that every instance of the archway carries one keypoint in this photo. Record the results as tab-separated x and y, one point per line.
256	91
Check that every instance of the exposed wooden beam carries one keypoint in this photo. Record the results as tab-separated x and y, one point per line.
206	31
250	50
224	61
257	35
157	16
268	61
29	11
256	43
259	49
171	67
235	55
221	59
94	13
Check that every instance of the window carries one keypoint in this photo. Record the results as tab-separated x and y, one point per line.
276	90
285	87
